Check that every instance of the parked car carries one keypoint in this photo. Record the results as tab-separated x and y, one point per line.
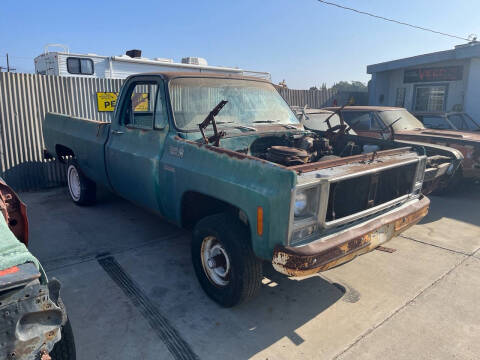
226	156
441	162
448	121
398	123
34	321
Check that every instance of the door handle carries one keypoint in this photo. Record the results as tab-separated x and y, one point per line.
117	132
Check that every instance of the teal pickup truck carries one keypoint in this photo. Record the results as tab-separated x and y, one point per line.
225	156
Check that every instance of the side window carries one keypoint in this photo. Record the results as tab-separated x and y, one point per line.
80	66
161	115
458	122
141	105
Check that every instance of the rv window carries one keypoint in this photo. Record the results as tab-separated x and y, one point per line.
80	66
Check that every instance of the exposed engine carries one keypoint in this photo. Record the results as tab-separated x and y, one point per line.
302	148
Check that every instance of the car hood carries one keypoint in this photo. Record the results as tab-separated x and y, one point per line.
457	135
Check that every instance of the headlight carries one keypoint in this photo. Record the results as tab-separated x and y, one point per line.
300	204
306	203
305	212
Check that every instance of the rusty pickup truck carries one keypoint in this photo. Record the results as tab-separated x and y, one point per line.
227	157
34	324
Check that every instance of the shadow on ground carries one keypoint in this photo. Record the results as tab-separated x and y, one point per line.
156	255
462	204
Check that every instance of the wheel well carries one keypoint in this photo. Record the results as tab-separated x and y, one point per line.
196	206
63	152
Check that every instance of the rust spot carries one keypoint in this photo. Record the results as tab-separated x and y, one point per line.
14	211
294	262
349	160
230	153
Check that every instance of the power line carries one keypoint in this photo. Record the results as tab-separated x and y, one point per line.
394	21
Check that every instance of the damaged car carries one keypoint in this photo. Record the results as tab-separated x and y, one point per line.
225	156
448	121
34	323
442	161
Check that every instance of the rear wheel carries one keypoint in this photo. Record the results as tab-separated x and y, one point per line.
82	190
224	262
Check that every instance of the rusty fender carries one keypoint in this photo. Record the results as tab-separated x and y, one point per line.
322	255
14	211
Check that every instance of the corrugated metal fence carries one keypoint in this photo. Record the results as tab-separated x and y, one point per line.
26	98
24	101
316	99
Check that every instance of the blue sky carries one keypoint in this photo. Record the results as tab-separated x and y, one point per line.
302	41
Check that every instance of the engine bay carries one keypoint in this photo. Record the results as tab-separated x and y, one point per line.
297	149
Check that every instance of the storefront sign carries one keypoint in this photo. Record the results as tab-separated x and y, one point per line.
448	73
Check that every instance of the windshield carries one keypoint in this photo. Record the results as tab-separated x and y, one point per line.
401	120
316	121
436	122
463	122
249	102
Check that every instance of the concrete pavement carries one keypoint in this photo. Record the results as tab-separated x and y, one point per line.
418	302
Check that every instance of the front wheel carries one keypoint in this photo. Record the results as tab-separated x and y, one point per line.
82	190
223	259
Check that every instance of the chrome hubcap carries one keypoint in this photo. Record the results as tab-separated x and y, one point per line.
73	182
215	261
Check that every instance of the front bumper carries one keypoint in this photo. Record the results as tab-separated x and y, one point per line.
337	249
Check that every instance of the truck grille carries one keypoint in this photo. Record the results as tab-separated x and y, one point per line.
350	196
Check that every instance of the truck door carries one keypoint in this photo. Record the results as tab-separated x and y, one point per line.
136	142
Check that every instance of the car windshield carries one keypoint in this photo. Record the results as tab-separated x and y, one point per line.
249	102
463	122
436	122
316	121
400	120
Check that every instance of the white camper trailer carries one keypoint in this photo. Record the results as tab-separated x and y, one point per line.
65	63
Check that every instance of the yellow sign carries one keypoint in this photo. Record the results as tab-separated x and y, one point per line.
140	102
106	101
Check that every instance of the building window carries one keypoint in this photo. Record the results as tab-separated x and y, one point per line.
430	98
80	66
400	99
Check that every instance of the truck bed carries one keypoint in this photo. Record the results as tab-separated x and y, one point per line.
85	137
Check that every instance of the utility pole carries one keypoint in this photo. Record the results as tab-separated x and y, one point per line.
8	65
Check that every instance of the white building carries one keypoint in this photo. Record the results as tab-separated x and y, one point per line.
437	82
65	63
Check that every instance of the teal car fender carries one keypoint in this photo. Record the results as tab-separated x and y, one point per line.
241	180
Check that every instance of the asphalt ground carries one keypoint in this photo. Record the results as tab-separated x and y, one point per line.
131	292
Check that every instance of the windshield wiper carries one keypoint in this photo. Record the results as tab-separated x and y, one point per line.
392	130
215	138
288	126
266	122
237	125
